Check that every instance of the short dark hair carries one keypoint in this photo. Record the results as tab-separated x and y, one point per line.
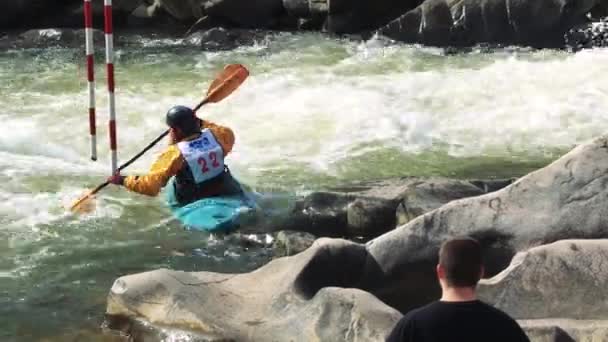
462	262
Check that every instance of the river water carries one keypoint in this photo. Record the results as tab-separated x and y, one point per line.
316	112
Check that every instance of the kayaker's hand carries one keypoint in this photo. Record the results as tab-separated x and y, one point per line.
117	179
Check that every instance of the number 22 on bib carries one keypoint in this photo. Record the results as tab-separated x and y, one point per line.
204	155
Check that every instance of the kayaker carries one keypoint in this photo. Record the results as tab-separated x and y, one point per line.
195	157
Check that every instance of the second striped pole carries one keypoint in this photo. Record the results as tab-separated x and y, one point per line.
88	27
110	70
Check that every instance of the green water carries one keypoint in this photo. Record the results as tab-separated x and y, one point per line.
316	112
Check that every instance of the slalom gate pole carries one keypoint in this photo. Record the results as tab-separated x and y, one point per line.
90	60
110	71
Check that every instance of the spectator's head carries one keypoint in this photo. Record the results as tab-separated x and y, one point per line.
460	263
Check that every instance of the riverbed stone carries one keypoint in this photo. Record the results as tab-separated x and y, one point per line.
221	39
258	14
55	37
181	9
370	209
289	243
565	330
282	301
567	279
589	35
468	22
365	15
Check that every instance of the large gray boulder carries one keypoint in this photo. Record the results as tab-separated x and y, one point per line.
556	291
370	209
566	199
566	279
281	301
468	22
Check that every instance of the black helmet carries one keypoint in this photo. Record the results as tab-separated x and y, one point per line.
184	119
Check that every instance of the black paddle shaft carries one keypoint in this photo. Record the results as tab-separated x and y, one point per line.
141	153
132	160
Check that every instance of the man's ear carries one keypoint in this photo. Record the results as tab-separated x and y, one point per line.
440	272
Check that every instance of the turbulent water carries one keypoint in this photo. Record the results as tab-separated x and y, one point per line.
315	112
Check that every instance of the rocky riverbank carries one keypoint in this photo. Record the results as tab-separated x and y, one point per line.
553	285
547	23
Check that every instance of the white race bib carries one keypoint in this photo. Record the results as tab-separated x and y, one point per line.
204	155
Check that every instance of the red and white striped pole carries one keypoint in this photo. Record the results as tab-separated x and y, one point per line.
110	70
88	27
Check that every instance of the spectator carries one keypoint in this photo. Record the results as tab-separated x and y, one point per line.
458	316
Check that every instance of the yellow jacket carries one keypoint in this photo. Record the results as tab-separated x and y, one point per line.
171	161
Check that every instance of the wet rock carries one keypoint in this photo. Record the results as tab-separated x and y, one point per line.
594	34
55	37
71	16
311	14
565	200
259	14
343	16
370	209
563	279
369	215
357	16
307	8
146	10
153	19
288	243
139	330
282	301
547	332
40	14
249	240
469	22
218	39
321	214
565	330
181	9
424	196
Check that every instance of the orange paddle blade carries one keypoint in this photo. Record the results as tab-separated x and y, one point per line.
84	204
227	81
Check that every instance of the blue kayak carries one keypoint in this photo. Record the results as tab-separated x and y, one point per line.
213	214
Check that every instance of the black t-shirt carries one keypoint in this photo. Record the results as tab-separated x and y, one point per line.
457	322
